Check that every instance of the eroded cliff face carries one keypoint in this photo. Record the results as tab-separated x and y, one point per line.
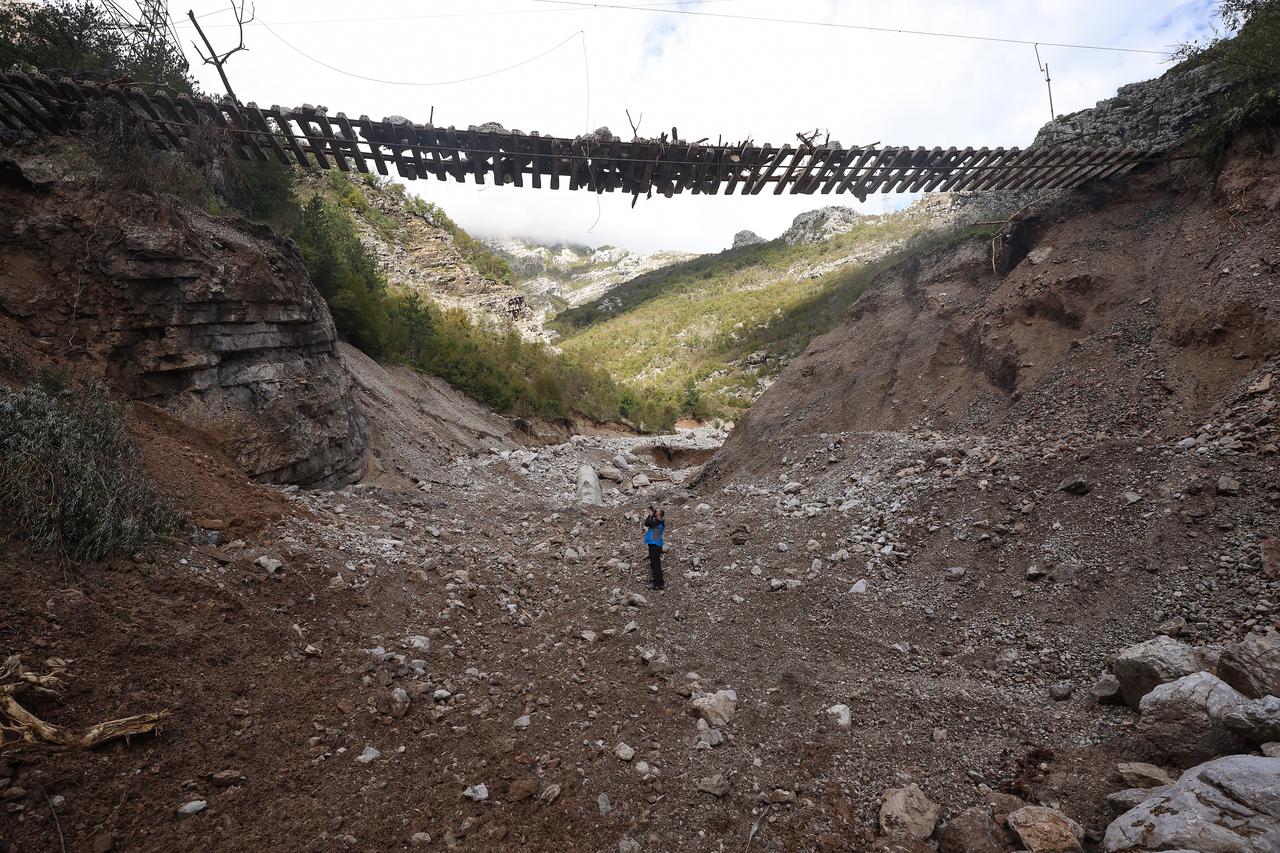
1133	308
214	320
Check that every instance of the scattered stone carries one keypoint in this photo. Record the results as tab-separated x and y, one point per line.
603	805
522	723
954	573
228	778
1045	830
717	786
420	839
717	708
1223	806
1252	665
367	755
271	564
1137	774
589	487
1157	661
859	588
1075	484
192	807
1120	802
1228	486
971	831
1107	690
478	793
624	752
841	714
522	789
1061	691
907	812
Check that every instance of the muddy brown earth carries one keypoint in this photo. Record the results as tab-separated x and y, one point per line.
486	631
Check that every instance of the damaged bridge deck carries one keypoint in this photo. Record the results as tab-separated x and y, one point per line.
312	139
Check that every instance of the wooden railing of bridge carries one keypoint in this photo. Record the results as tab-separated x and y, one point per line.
312	139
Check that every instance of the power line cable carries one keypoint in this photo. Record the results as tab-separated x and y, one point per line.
643	7
346	73
585	4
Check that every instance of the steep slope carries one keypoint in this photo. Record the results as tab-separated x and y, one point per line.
420	250
212	319
1130	307
563	276
730	321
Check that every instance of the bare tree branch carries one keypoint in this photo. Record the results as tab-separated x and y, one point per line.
218	60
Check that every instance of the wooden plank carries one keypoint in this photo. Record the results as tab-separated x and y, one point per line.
895	175
249	131
313	143
926	168
852	173
365	127
553	161
29	109
967	169
260	122
736	167
536	165
283	122
869	178
344	125
982	172
943	169
652	152
331	141
767	175
796	158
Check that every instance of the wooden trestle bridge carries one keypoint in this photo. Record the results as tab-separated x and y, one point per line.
312	139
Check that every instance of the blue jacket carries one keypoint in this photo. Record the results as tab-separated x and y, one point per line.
653	536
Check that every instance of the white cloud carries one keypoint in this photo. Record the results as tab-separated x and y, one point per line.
707	76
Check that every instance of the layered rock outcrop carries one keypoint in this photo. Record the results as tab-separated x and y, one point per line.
214	320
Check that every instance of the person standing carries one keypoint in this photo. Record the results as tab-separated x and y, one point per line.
655	528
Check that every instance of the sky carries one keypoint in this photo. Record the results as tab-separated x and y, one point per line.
583	66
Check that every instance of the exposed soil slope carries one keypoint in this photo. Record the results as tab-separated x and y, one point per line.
212	319
1130	307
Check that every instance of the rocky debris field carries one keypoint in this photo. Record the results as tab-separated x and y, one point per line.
894	640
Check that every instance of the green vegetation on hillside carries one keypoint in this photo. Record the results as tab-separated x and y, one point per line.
71	481
492	363
1250	57
79	36
685	331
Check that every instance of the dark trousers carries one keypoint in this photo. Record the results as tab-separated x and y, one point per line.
655	564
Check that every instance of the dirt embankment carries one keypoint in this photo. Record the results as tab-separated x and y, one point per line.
214	320
1129	308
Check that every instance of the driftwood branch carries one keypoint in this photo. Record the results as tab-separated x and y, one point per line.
18	725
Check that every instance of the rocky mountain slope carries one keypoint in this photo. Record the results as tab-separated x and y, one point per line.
420	250
740	315
1129	309
565	276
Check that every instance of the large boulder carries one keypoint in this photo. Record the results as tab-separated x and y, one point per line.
1140	668
971	831
1252	665
907	813
746	238
1256	720
1187	718
589	486
1044	830
1229	805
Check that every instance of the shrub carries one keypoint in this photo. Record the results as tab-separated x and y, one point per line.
71	481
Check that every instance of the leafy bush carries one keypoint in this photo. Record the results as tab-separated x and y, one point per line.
70	477
79	36
1247	51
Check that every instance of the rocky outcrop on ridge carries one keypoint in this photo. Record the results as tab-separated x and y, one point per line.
214	320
